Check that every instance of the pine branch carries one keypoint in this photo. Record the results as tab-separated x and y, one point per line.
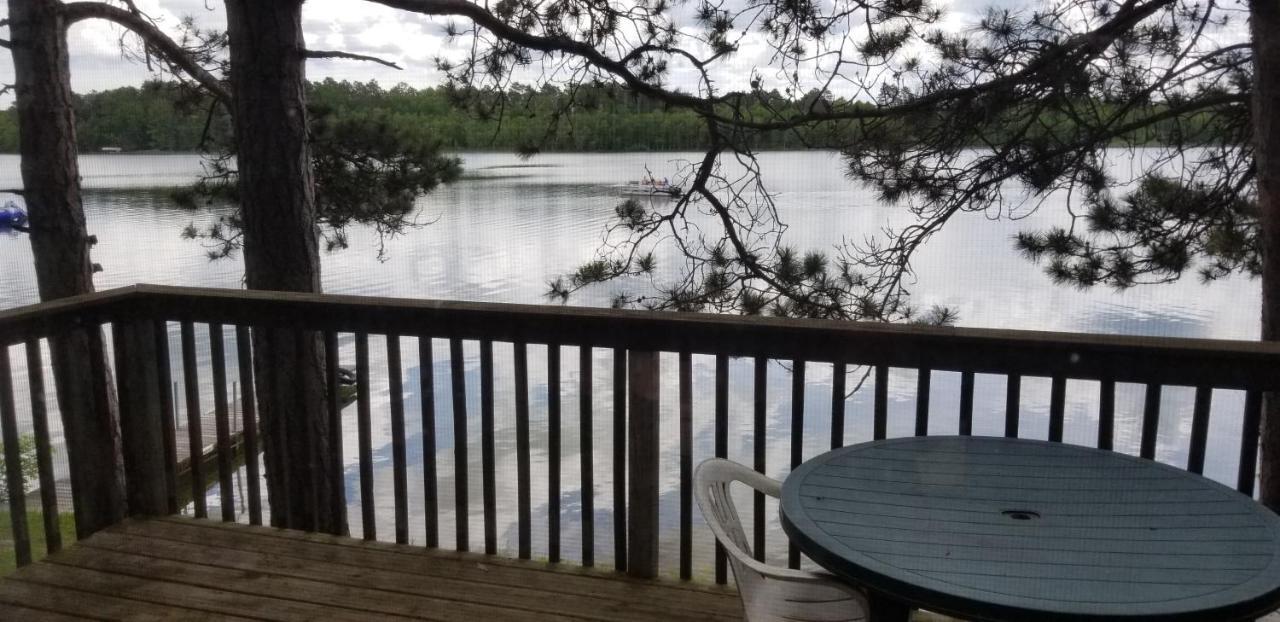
348	55
153	37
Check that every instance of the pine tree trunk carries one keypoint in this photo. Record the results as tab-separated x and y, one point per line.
60	246
1265	23
304	482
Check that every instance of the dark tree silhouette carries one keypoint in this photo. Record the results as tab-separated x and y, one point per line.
276	191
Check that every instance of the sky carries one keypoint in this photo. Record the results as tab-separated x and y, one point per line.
355	26
97	62
413	41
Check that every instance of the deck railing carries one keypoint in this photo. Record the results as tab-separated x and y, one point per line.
138	323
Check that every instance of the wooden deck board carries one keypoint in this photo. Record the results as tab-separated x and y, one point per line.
192	569
568	579
14	612
86	602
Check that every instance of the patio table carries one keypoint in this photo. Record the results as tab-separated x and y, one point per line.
1011	529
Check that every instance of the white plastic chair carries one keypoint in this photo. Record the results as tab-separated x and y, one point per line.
769	593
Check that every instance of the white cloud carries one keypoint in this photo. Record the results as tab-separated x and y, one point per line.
415	41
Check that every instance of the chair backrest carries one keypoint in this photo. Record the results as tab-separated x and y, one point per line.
769	593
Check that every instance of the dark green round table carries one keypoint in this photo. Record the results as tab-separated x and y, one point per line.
1009	529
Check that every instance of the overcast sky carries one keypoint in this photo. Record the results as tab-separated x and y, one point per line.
363	27
349	25
97	64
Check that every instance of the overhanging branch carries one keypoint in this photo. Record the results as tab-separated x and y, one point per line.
1087	45
348	55
153	37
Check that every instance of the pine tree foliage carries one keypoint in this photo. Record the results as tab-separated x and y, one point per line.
945	116
369	171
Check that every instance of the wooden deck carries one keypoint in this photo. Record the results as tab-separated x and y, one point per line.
187	569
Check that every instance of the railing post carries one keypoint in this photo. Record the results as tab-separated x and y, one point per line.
642	450
141	418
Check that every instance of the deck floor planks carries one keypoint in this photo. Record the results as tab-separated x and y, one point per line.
59	603
89	584
265	582
14	612
434	593
671	597
189	569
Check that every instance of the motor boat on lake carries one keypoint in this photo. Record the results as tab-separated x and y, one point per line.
650	186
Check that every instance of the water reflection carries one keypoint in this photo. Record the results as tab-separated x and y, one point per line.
503	232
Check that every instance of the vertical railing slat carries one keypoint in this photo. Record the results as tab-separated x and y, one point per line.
1150	422
1249	432
722	447
222	422
524	519
1199	429
333	411
249	420
195	433
587	455
399	461
759	432
837	404
427	387
168	411
643	441
923	381
1106	414
1012	398
487	449
686	465
364	432
1057	407
620	459
44	454
966	403
461	508
13	464
797	440
880	416
553	453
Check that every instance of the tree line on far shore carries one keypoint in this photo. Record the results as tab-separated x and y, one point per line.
159	116
162	116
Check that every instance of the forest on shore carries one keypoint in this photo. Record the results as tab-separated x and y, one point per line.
162	116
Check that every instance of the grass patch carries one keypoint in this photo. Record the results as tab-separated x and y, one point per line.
35	525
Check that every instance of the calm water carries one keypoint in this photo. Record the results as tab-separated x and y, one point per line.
511	226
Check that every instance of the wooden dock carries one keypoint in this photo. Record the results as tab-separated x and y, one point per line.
188	569
209	438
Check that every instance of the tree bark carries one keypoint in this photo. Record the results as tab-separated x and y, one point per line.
1265	23
60	246
281	252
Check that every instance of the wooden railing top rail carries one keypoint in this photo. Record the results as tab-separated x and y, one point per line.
1179	361
46	318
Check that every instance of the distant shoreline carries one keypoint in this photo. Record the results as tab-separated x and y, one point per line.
512	151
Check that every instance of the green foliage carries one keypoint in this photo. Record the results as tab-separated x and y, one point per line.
1155	234
8	131
370	167
161	116
27	461
1047	93
35	529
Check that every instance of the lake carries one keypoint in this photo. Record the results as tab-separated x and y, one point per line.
511	226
